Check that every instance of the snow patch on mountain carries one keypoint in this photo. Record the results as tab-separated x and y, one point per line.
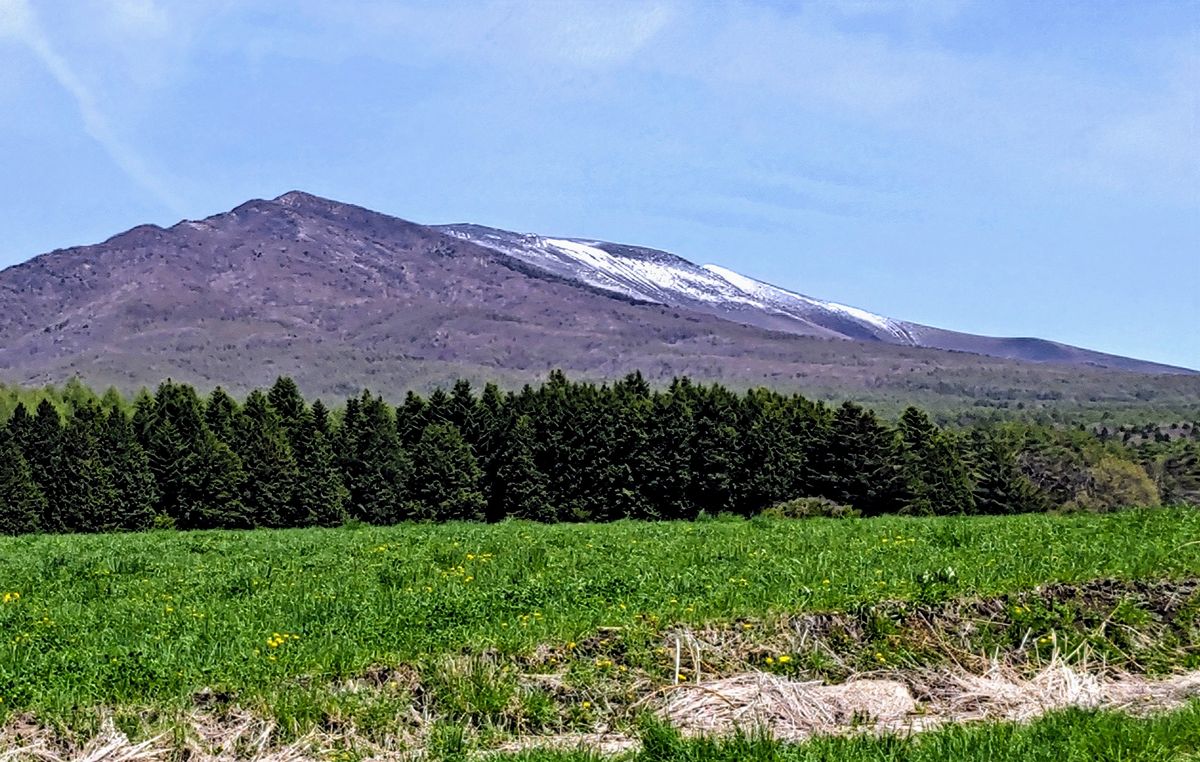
783	299
664	278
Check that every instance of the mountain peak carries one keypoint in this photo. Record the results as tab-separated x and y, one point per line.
299	198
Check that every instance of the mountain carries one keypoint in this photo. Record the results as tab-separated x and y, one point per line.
340	297
663	278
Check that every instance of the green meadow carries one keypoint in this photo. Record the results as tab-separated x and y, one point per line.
277	619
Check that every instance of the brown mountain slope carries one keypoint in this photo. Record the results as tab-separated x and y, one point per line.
340	297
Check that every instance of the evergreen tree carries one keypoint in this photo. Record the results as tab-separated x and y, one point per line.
20	424
144	411
319	498
76	394
220	415
437	408
665	465
268	467
772	454
40	440
320	419
1000	484
21	502
411	419
493	421
716	448
860	462
936	479
623	418
520	489
373	464
286	401
446	480
112	400
197	474
209	497
80	472
461	411
130	479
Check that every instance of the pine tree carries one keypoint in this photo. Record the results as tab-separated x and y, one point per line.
209	497
493	421
461	411
411	419
373	464
446	480
320	417
622	413
80	472
716	449
220	415
319	498
772	454
169	427
268	467
112	400
860	462
520	489
21	502
665	466
20	424
144	411
936	479
197	474
1000	485
41	443
285	399
130	479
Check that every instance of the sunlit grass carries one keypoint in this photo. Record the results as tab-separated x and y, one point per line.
151	618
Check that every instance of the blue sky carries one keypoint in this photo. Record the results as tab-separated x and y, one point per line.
1009	168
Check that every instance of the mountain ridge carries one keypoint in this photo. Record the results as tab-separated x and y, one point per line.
805	315
340	296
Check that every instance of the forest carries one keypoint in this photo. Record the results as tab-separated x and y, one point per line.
559	451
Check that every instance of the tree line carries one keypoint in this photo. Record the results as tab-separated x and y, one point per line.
560	451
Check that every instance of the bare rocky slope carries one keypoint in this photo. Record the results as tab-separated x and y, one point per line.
340	297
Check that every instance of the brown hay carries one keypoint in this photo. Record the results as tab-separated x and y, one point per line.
793	710
903	702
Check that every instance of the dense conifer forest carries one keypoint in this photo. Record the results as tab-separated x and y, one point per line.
561	451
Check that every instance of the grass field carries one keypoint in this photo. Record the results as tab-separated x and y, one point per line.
1071	736
289	623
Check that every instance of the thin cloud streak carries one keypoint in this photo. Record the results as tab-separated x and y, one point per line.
18	19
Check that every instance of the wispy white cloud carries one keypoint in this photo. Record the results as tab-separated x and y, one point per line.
18	20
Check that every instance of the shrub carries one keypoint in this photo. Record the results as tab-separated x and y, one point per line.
809	507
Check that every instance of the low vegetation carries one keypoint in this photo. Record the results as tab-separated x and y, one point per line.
521	628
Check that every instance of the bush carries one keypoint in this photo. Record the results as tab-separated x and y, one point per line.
809	507
1113	484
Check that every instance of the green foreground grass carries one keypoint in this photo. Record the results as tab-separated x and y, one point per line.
1071	736
278	621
